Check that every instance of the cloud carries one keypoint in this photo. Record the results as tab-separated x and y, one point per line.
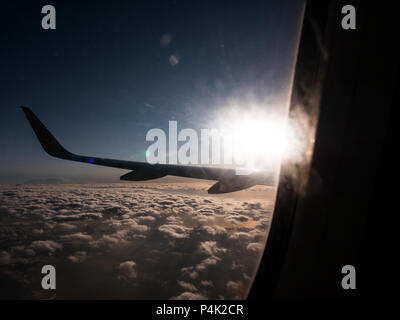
78	257
127	270
187	286
147	218
211	248
214	230
206	283
78	216
22	251
37	231
111	240
190	272
190	296
233	285
45	245
255	246
242	235
65	226
175	231
78	236
207	262
131	224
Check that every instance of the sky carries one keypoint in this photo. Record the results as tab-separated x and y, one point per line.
111	71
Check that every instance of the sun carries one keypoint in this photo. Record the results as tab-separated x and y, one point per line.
260	138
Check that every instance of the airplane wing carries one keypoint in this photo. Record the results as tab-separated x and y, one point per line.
228	180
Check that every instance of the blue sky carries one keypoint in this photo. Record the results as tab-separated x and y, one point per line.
102	79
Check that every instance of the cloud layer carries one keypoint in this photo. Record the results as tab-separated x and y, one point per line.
155	241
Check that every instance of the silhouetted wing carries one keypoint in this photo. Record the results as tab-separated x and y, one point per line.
145	171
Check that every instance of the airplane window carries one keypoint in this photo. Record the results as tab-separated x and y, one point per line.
186	101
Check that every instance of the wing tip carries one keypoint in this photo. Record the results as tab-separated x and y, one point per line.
46	139
26	110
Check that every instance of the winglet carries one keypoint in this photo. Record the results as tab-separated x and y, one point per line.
46	139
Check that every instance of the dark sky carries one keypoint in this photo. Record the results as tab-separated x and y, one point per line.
102	79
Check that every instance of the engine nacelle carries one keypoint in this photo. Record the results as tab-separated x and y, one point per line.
230	186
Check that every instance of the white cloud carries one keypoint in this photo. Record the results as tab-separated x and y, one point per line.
207	262
211	248
175	231
255	246
77	216
214	230
127	270
147	218
77	236
187	286
113	221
